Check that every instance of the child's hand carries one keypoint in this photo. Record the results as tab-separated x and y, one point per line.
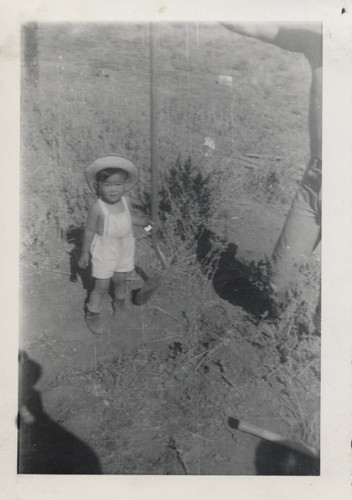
83	261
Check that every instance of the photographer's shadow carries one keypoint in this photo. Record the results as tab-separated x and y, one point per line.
44	447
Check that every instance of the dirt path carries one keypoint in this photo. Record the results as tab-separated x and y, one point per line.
138	396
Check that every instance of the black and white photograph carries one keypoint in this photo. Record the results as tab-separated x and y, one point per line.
188	343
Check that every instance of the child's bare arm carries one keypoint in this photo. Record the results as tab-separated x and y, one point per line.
140	220
89	232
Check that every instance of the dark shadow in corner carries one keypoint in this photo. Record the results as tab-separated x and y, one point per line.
274	460
233	280
45	447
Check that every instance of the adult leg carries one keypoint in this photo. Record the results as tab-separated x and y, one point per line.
300	235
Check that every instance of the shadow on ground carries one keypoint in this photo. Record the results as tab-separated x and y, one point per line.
274	459
233	280
44	447
74	236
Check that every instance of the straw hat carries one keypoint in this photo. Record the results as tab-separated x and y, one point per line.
111	161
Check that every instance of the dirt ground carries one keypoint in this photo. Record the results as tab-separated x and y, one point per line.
154	394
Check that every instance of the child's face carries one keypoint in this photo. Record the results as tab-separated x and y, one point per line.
113	188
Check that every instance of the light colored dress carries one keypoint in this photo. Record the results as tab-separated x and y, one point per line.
113	252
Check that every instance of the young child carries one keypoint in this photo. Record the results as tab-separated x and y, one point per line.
108	236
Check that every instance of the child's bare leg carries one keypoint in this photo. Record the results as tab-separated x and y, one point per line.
96	297
119	281
94	305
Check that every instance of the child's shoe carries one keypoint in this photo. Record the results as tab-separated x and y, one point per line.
95	323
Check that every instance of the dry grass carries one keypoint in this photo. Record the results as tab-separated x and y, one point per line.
165	407
94	99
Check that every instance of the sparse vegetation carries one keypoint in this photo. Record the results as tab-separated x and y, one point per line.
166	404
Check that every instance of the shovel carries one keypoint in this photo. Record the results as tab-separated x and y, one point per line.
151	284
